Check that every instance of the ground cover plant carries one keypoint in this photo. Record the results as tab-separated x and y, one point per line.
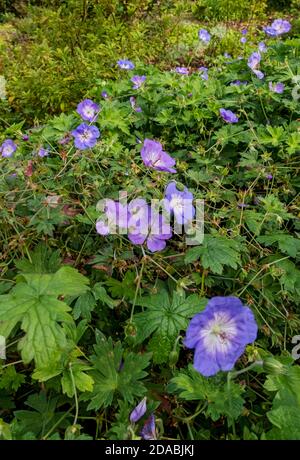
114	326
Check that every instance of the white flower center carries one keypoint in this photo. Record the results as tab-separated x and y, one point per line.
85	136
154	158
89	112
219	333
177	203
8	150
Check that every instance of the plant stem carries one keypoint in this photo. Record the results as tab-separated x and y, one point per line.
75	395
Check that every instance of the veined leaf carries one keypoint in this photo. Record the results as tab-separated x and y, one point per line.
216	252
33	303
115	374
286	243
165	316
221	399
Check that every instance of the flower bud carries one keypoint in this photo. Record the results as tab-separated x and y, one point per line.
139	411
173	357
273	367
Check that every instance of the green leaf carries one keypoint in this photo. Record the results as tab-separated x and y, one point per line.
42	260
160	346
84	305
100	294
285	416
43	415
10	379
33	303
216	252
286	243
82	381
5	431
227	401
115	374
190	385
253	220
125	288
119	428
285	412
165	316
290	278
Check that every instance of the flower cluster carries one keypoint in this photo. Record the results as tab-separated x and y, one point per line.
145	224
148	432
86	135
253	63
278	27
276	87
138	81
219	334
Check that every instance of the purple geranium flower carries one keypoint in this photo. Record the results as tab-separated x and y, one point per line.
262	47
125	64
137	81
180	203
104	94
138	222
65	140
182	70
244	31
88	110
85	136
260	75
132	101
8	148
153	156
227	55
253	63
269	176
138	411
25	137
148	432
115	217
43	152
228	116
147	225
238	83
254	60
278	27
204	35
276	87
243	40
220	334
203	72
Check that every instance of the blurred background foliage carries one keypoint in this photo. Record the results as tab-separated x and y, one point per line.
52	52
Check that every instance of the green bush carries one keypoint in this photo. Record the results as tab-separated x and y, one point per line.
222	10
52	56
